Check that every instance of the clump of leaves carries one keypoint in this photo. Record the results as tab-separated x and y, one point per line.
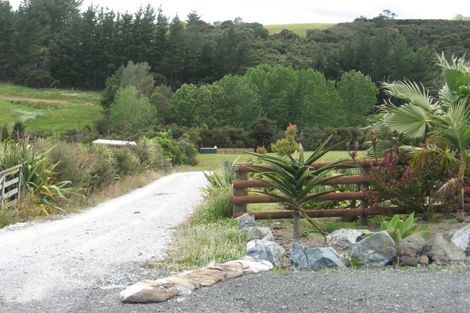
399	229
287	145
217	194
294	180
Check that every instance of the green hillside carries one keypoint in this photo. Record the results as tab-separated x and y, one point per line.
51	111
299	29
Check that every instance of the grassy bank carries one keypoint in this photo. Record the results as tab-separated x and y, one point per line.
51	111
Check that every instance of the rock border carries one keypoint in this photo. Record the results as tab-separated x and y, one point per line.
345	247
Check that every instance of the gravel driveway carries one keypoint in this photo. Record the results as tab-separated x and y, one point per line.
80	264
49	266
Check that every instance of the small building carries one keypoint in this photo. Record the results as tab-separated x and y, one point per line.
114	143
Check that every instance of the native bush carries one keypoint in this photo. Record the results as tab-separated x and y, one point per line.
218	192
131	112
410	180
127	162
73	164
287	145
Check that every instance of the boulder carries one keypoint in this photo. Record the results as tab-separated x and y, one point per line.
376	250
246	220
148	291
266	250
256	232
410	250
343	239
314	258
442	251
461	238
251	265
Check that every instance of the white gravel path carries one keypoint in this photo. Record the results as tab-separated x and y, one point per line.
93	249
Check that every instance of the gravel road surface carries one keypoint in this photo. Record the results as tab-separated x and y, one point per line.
55	266
80	264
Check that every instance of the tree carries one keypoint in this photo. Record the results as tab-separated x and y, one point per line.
138	75
446	119
131	112
359	95
262	131
7	39
320	103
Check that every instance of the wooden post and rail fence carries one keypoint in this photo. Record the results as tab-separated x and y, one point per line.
10	186
243	183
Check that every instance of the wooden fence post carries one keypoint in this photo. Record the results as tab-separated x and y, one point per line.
240	175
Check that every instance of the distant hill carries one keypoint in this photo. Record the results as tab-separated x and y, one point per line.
299	29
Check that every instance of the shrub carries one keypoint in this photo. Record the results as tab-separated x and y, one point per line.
411	179
180	151
127	162
399	229
186	152
5	134
150	154
131	112
261	150
18	130
104	170
219	203
225	137
73	164
288	144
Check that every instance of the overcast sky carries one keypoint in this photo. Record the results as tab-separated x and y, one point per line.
293	11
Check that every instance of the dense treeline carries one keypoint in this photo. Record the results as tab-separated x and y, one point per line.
52	43
135	103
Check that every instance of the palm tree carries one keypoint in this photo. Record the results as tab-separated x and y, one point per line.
293	179
445	118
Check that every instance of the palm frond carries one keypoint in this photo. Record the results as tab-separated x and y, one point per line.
411	93
410	120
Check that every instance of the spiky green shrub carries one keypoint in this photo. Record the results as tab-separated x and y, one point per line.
399	229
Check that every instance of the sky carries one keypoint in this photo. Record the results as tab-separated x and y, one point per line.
293	11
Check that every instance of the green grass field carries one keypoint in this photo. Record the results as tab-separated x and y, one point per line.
299	29
50	111
216	161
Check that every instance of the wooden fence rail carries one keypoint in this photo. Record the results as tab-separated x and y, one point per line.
10	186
242	197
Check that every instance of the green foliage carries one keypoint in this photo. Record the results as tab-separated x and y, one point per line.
39	175
130	112
359	95
138	75
127	162
218	192
399	229
180	151
201	241
287	145
293	180
410	180
445	120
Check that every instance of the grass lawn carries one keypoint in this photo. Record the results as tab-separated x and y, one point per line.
216	161
67	95
48	110
299	29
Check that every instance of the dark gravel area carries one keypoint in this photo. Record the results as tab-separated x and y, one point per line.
389	290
